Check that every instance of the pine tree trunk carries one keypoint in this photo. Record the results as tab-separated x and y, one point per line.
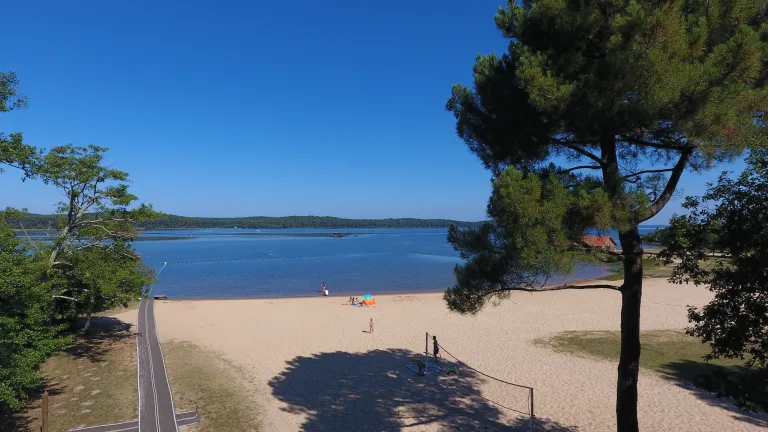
629	361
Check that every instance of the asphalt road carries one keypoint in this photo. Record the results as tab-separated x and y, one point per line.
156	412
182	419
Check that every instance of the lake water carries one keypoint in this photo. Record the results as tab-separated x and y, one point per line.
237	263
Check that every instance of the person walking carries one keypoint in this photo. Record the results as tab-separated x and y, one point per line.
435	348
370	326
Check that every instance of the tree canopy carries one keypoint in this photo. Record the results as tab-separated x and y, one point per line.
588	121
27	338
13	151
93	265
723	244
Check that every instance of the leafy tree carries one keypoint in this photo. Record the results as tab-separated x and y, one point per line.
623	96
100	278
93	266
13	151
723	244
27	338
97	211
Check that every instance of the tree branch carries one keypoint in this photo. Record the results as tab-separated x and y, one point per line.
28	238
656	145
565	171
639	173
530	288
583	152
97	221
669	189
566	287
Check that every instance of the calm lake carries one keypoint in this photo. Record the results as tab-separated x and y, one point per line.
238	263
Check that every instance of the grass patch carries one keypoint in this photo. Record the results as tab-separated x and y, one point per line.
204	381
652	268
92	382
671	353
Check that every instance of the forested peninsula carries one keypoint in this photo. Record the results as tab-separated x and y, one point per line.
39	221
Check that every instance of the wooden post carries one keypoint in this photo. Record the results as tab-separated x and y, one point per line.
533	417
45	412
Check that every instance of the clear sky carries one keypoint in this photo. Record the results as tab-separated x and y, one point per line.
251	108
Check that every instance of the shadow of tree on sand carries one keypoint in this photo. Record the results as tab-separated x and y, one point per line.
696	376
104	332
374	391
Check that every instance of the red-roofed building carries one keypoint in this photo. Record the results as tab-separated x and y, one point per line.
602	242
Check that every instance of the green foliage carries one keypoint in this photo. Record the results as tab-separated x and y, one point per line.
643	83
98	205
93	266
98	278
620	85
537	230
36	221
731	219
27	337
654	237
13	151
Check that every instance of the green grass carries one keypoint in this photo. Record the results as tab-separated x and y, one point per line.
671	353
652	268
203	381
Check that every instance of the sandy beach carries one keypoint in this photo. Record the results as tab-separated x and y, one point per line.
311	364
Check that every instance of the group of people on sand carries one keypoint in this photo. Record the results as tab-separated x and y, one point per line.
353	301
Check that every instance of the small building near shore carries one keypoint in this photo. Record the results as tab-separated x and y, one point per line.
602	242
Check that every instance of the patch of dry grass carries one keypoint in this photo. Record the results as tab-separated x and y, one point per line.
204	381
93	382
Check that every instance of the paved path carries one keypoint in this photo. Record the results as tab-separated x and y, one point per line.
182	419
156	413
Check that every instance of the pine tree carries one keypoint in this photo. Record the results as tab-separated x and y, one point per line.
589	120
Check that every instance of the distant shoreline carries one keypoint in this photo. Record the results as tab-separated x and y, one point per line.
374	293
170	221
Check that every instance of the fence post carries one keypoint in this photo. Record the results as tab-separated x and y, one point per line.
533	417
45	412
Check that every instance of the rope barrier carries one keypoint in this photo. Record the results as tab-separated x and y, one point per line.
481	373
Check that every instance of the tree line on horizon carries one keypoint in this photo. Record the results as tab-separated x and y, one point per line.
169	221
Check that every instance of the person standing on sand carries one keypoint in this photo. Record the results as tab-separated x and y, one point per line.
322	288
435	348
370	326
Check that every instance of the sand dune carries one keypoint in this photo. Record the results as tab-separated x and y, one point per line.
312	366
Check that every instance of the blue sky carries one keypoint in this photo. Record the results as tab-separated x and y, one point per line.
260	108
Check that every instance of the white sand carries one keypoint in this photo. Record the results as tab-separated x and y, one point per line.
312	367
